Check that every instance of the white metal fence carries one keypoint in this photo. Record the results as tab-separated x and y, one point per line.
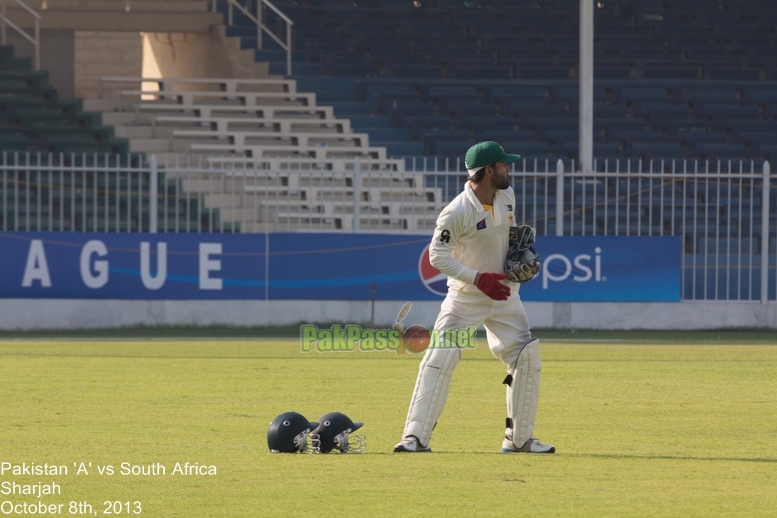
721	210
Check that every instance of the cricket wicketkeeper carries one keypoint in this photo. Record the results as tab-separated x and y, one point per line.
486	257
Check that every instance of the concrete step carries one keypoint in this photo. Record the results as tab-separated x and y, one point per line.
262	227
117	118
117	21
238	214
109	105
152	145
157	6
125	118
171	158
143	131
133	131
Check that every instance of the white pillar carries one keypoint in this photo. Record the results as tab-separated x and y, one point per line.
357	194
586	79
153	195
559	198
765	236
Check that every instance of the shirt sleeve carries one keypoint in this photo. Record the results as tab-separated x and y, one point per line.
450	225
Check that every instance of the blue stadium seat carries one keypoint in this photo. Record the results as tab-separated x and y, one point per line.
722	150
664	71
398	149
704	92
351	70
769	151
727	72
416	125
420	71
540	72
604	72
479	71
347	109
387	134
658	149
758	93
365	122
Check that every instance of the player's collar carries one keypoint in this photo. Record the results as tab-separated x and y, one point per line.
473	199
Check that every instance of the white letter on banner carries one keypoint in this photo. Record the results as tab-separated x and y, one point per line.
37	269
579	263
209	265
149	281
546	275
101	267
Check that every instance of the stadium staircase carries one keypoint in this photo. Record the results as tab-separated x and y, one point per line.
266	156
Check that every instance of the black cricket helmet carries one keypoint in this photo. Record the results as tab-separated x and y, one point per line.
288	433
335	431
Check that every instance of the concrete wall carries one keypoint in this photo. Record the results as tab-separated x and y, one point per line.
77	314
99	54
210	54
76	60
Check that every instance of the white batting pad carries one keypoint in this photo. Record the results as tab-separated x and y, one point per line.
431	392
524	391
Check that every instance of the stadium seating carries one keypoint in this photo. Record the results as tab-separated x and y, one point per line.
388	89
246	118
244	132
656	67
35	119
263	200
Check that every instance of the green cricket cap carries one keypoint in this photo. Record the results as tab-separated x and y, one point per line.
486	153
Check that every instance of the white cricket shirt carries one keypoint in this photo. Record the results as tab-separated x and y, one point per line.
470	239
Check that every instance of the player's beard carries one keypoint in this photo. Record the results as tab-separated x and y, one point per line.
501	182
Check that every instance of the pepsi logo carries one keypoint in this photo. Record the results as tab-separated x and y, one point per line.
433	280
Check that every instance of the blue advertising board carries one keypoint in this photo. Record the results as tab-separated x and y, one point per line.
132	266
607	269
314	267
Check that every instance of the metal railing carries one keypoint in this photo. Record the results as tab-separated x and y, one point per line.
34	38
258	18
721	210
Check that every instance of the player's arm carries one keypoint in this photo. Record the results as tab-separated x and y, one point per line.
450	226
446	235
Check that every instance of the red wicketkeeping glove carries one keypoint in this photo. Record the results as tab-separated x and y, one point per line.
489	284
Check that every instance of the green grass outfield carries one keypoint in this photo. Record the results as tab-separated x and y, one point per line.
645	424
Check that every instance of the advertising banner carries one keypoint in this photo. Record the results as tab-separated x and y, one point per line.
314	267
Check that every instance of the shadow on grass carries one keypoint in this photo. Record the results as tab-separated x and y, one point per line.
291	331
605	456
671	457
162	331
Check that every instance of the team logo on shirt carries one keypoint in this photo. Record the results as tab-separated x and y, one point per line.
509	207
481	224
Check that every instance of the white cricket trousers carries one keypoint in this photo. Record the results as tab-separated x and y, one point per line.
507	329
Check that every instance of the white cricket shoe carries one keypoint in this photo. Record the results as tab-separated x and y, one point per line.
530	446
411	444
